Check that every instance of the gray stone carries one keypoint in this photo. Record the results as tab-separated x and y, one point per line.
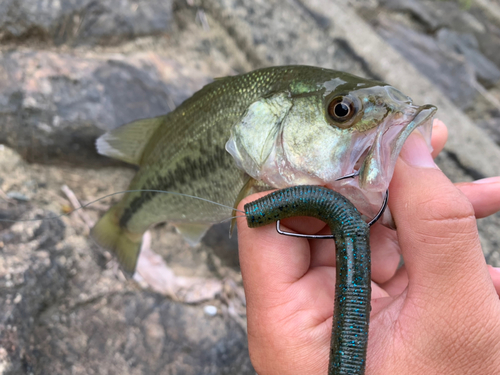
489	42
138	333
434	15
456	27
417	9
492	127
64	308
55	105
83	21
467	45
449	72
285	32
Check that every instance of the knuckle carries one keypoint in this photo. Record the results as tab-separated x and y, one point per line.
445	206
445	218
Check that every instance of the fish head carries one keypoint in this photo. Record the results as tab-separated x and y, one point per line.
318	134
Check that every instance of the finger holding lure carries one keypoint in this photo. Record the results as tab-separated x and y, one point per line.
351	315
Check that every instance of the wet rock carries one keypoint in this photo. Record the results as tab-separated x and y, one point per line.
83	21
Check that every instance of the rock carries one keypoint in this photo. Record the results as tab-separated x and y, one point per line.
83	21
489	42
55	105
442	18
467	45
284	33
453	15
492	127
448	71
66	308
138	333
434	15
417	9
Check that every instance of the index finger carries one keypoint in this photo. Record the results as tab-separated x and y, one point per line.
267	258
436	229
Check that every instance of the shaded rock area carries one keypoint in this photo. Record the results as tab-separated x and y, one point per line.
71	70
83	21
455	45
67	309
68	100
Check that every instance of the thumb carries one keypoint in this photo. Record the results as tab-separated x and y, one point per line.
437	228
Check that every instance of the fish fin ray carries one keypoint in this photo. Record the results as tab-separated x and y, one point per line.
119	241
127	142
192	232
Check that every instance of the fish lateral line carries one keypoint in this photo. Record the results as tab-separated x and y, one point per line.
124	192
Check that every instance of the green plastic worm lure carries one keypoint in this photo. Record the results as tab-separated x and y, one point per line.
352	290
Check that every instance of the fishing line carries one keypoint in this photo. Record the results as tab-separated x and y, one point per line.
123	192
232	217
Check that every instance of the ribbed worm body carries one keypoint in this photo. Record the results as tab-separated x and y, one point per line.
352	291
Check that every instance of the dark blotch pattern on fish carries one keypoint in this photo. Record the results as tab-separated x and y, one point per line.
185	172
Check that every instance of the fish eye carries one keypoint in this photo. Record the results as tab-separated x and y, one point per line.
341	109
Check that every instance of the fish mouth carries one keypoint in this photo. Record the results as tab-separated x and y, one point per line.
374	168
423	115
376	165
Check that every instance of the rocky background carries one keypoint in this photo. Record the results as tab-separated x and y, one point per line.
70	70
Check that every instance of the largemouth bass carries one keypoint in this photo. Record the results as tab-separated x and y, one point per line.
270	128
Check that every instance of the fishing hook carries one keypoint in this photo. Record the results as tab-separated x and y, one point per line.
329	236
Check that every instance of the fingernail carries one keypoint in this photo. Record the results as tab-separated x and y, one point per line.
489	180
416	153
437	123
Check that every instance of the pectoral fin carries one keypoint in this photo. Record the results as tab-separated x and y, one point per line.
192	232
128	142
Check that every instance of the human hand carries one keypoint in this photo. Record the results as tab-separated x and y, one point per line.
438	314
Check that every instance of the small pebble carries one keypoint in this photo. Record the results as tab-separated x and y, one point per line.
18	299
210	310
17	196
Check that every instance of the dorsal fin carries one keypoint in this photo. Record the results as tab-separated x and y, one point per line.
127	142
